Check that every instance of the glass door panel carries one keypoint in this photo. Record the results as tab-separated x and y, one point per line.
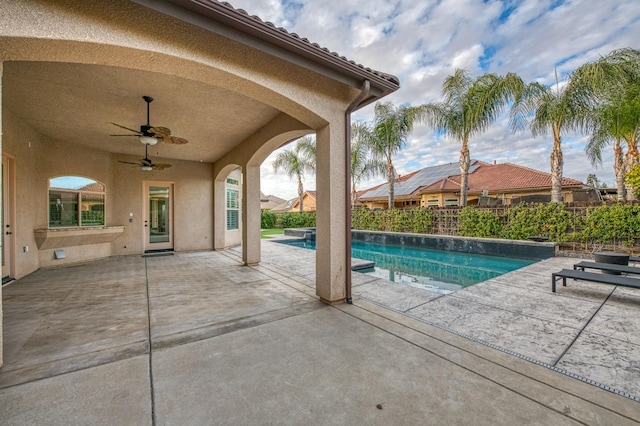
158	216
159	224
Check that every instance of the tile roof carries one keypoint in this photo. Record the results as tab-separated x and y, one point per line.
225	13
268	202
499	177
388	77
494	177
411	182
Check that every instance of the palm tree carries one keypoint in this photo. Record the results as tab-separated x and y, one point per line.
560	109
392	126
469	108
364	163
617	123
297	161
614	82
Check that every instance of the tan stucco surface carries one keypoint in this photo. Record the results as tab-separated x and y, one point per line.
71	68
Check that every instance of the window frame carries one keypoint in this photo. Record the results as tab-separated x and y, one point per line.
233	208
79	196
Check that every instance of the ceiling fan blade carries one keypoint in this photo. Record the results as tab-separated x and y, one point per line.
128	162
161	166
126	135
175	140
160	131
126	128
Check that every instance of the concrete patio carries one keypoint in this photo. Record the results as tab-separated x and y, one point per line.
196	338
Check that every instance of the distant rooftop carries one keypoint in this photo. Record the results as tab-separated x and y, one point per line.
494	177
410	183
500	177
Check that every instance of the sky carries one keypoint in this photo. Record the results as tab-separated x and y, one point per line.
423	41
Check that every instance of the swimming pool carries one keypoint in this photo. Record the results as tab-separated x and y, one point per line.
435	270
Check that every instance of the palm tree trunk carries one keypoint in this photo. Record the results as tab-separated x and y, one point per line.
618	169
300	194
631	160
557	164
465	161
354	196
391	179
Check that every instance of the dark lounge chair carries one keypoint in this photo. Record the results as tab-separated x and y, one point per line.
609	267
595	277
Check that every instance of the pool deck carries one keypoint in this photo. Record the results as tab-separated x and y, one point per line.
587	329
197	338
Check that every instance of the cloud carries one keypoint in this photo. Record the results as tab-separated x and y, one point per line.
422	41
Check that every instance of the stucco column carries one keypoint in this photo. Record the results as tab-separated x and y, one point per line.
1	225
251	215
330	219
219	214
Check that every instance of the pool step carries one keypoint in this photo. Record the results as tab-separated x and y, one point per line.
359	264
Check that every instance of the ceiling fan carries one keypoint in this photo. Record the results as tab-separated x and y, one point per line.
146	164
151	135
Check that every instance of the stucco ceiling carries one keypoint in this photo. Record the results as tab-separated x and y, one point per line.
76	103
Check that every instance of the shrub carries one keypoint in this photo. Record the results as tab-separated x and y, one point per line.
417	220
610	224
551	220
297	220
481	223
267	219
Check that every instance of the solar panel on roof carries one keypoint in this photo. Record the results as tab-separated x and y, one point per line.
424	177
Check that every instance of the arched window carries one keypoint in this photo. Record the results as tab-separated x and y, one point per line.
75	201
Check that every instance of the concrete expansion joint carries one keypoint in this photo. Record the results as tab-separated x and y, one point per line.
492	346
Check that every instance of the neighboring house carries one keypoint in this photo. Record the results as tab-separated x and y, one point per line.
234	87
284	207
489	184
308	202
407	186
269	202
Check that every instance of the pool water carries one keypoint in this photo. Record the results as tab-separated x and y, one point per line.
435	270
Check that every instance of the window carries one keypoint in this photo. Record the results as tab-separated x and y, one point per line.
75	201
232	209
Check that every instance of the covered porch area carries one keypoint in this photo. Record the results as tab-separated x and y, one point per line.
182	174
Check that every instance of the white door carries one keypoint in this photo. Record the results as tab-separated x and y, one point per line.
158	216
8	217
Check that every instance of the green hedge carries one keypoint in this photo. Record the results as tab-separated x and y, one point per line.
479	223
296	220
592	226
268	219
551	220
417	220
618	223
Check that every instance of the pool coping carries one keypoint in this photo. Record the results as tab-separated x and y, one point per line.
520	249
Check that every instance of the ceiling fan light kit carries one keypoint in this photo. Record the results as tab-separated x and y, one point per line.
148	140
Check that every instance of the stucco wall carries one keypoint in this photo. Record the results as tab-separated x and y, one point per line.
21	141
37	159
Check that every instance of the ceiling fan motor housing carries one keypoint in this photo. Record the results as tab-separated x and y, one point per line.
148	137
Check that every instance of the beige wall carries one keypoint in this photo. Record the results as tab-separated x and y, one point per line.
289	100
37	159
